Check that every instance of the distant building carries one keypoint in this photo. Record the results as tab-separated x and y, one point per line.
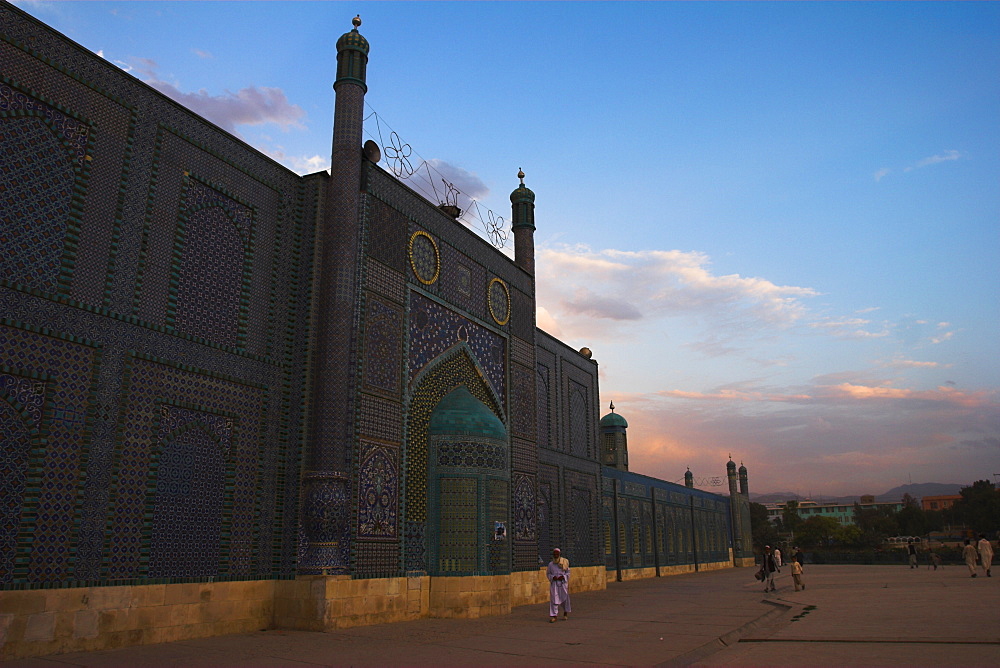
842	512
939	502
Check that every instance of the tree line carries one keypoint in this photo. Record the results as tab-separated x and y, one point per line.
978	510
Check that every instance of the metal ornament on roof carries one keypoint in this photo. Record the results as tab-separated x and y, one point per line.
424	178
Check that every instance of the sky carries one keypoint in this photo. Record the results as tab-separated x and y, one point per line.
777	225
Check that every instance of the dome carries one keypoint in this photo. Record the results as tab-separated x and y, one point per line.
613	420
460	413
743	469
353	39
522	194
731	465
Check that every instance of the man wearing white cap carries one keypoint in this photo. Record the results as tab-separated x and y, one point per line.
558	575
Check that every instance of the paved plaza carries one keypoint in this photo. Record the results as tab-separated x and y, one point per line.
847	616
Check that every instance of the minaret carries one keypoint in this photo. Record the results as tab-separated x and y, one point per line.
522	204
735	509
689	478
326	491
614	442
744	489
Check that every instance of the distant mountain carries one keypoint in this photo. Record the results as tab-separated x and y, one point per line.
920	489
916	490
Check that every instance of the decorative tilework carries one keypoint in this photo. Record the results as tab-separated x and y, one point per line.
424	257
472	455
37	178
451	370
67	367
383	347
211	260
579	426
21	402
188	478
499	301
458	535
148	385
524	509
380	419
497	510
523	405
378	476
543	428
434	329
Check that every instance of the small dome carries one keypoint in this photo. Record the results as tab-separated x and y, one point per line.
731	465
586	352
743	469
522	194
460	413
688	475
613	420
353	39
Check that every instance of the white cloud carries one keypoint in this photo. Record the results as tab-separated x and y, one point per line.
947	156
204	55
881	173
900	362
252	105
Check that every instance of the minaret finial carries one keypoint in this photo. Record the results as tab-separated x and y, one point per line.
520	175
356	21
612	406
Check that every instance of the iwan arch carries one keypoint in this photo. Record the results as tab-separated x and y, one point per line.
234	398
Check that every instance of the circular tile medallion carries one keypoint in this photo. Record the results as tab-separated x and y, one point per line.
499	301
424	257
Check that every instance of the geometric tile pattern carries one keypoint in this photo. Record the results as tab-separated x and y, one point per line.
52	473
153	389
383	346
18	428
211	264
434	329
453	370
523	405
579	426
523	508
188	476
458	536
378	480
37	176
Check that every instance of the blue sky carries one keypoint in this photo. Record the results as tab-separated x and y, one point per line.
776	224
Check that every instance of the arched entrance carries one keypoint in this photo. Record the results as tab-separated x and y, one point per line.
469	475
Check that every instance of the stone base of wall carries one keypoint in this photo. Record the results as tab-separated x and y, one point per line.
665	571
37	622
745	562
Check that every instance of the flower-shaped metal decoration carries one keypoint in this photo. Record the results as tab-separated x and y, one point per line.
495	228
398	155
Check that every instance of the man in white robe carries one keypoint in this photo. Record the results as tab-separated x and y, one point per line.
558	575
985	554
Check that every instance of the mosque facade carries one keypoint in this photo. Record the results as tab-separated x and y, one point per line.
233	397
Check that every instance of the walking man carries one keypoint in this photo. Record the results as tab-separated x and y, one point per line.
985	554
912	550
558	575
969	555
768	568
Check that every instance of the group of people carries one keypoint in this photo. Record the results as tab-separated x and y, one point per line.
981	552
772	564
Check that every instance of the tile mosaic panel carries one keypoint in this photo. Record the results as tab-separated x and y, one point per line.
150	383
378	490
383	338
21	403
523	405
434	329
38	174
68	365
453	369
188	484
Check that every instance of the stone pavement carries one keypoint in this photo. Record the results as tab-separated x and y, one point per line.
847	616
